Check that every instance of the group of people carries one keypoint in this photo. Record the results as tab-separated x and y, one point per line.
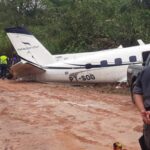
3	66
6	63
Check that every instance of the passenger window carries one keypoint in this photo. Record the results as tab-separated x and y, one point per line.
118	61
104	63
132	59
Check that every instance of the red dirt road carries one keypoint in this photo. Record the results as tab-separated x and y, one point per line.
36	116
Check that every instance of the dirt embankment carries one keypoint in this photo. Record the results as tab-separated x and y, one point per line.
36	116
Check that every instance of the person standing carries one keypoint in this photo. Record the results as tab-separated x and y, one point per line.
141	93
3	65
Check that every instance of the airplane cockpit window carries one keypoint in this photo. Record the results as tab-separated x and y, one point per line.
118	61
104	63
132	59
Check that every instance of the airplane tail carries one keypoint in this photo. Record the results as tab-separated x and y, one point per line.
28	47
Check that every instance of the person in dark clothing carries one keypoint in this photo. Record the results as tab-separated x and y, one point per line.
3	65
141	93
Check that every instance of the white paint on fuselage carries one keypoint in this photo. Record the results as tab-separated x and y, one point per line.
101	74
109	74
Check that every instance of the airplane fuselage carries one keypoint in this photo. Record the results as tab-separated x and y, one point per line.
103	66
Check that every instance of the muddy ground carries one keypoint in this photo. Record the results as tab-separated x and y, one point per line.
59	116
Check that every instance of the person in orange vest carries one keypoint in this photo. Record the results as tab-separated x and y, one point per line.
3	66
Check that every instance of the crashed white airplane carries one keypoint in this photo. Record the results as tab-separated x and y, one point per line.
39	65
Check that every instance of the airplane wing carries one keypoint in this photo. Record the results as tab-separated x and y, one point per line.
23	69
140	42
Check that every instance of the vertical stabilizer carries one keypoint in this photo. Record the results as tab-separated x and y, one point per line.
28	47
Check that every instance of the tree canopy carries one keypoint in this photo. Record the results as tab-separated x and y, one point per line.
68	26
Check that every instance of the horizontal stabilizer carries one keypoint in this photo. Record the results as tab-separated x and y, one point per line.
28	47
25	69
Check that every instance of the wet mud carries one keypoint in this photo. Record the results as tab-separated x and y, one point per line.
59	116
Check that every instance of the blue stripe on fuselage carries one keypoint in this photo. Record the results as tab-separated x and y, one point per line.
92	66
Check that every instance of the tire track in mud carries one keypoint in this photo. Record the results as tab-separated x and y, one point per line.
69	118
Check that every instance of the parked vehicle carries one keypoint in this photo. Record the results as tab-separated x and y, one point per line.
134	70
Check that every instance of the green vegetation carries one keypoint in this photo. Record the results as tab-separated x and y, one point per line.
68	26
